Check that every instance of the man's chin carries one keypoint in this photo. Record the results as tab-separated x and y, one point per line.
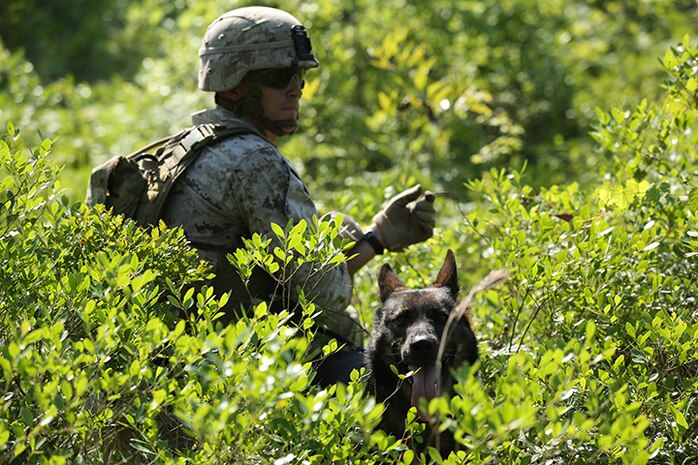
288	126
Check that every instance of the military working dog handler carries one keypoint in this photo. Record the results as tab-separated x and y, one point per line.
254	60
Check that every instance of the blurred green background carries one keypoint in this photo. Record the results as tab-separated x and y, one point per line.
434	91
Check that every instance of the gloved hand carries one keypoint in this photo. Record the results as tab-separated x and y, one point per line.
407	219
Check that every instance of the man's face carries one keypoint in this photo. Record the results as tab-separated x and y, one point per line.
277	94
281	95
281	104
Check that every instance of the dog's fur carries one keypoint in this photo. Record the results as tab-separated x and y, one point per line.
407	331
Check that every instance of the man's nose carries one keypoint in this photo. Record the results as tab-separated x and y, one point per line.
296	85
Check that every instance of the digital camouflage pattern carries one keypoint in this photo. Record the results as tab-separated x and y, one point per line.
248	39
237	187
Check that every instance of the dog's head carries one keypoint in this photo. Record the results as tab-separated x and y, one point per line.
410	326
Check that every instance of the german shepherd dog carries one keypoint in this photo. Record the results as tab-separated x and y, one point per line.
407	332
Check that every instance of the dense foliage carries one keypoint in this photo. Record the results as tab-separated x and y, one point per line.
110	353
439	90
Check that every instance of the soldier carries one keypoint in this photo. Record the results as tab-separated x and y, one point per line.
254	60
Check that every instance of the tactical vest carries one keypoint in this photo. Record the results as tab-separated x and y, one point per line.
137	185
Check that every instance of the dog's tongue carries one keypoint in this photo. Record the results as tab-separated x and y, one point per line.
424	385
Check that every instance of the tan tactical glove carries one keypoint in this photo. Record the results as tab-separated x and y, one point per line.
407	219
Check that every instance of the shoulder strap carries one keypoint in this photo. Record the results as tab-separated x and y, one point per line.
175	156
155	144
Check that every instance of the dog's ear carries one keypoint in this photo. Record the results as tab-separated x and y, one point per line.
448	276
388	282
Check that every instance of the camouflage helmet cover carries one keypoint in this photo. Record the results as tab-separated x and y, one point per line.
248	39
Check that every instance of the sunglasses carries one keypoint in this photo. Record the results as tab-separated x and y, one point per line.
282	78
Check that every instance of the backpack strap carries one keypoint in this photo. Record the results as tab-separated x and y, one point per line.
175	157
157	143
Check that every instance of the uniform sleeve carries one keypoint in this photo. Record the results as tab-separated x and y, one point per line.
268	190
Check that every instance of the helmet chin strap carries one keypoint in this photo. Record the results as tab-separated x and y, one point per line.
280	127
251	106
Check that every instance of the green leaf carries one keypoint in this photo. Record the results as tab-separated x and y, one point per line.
385	102
135	368
299	229
4	437
670	61
678	417
651	246
13	350
434	456
693	200
590	331
630	329
67	390
159	396
6	368
278	230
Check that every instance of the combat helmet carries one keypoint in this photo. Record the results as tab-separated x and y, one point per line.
248	39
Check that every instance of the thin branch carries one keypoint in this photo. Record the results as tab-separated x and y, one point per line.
492	280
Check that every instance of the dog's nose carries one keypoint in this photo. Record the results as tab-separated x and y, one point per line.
424	345
423	348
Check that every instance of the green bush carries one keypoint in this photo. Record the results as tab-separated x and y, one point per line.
592	346
109	355
111	351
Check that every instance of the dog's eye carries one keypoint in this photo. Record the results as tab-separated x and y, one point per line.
401	320
440	318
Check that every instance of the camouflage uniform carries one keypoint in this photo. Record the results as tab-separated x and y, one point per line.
235	188
242	184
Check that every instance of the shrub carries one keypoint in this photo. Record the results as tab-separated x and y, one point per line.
591	350
109	355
